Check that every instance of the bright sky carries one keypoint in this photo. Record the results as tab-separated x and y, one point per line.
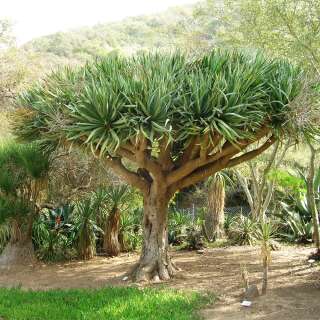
34	18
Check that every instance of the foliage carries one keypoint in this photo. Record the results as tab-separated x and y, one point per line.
287	181
267	230
53	235
265	234
130	229
117	196
24	169
162	30
295	212
243	230
229	221
85	227
194	239
107	303
207	102
295	227
5	233
179	222
285	28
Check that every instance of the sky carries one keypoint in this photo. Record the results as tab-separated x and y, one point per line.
34	18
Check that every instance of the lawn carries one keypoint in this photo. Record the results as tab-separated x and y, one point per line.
108	303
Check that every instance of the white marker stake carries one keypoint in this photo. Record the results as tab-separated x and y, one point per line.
246	303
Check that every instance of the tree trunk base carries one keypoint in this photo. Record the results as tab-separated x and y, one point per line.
155	271
111	234
17	254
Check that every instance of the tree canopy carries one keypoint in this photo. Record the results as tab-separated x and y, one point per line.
167	114
283	28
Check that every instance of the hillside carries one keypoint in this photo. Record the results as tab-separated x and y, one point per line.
178	27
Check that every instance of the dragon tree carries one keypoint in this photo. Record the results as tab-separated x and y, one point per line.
164	122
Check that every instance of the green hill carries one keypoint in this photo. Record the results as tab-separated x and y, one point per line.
167	30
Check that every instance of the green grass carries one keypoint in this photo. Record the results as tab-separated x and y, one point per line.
107	303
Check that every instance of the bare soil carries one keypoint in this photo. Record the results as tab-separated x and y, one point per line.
294	284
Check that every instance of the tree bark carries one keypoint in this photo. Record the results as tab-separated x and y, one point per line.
215	215
311	198
155	263
19	250
265	275
111	233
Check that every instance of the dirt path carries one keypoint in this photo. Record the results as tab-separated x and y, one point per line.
294	284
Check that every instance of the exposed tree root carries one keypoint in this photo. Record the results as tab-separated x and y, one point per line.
157	270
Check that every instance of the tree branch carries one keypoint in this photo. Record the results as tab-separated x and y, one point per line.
227	150
131	177
187	154
251	154
164	158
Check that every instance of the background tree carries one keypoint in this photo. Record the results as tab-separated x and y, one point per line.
261	192
116	197
214	219
164	123
283	28
86	227
23	177
311	197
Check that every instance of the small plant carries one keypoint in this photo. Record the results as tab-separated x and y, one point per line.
295	227
130	234
243	230
266	232
53	235
228	222
179	222
194	239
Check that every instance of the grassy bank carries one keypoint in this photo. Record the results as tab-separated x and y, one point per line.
107	303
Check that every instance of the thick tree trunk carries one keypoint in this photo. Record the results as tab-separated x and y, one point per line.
155	263
111	233
19	250
214	219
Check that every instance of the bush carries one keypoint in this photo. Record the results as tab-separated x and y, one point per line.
179	222
243	230
53	235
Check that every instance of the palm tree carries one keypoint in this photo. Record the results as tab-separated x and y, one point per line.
116	197
163	123
23	176
214	219
86	227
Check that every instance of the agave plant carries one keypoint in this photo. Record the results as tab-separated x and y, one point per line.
296	227
243	230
